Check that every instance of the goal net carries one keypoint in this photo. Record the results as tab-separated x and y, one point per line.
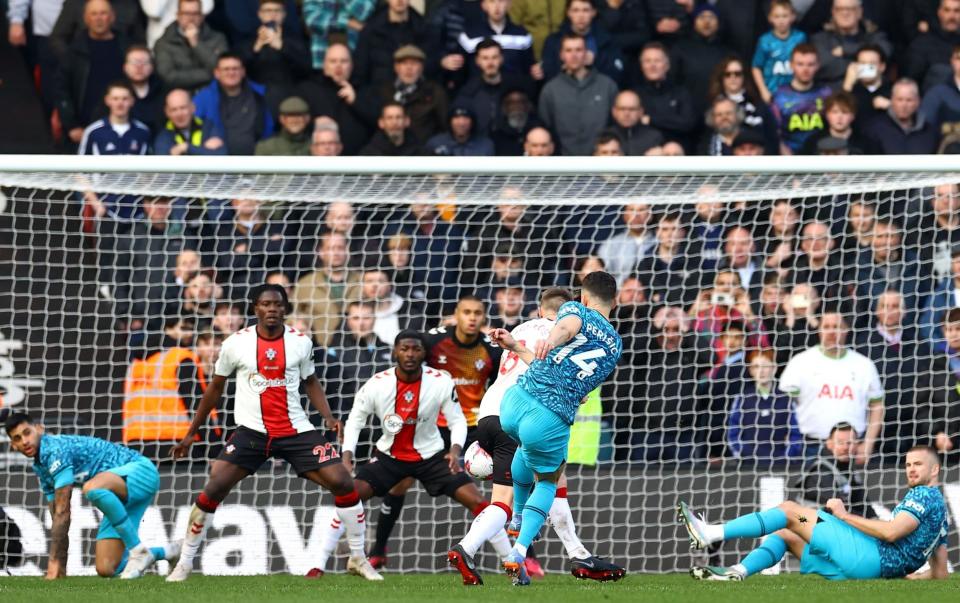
726	270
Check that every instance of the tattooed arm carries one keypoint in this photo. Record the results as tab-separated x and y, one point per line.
59	533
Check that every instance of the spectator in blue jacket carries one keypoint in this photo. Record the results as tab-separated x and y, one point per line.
603	54
235	105
903	130
116	134
184	133
761	426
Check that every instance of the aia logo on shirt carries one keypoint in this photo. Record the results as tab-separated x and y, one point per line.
836	392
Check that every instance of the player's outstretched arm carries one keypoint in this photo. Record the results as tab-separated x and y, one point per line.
888	531
59	533
211	398
938	567
318	399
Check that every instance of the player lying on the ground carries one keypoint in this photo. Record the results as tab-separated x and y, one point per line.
120	482
574	359
407	399
501	448
271	361
836	544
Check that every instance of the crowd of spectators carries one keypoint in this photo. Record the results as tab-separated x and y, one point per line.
751	330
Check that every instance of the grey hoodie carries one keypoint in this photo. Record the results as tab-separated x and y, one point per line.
577	110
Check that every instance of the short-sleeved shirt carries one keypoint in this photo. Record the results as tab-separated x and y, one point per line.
473	367
571	371
772	57
269	372
907	555
830	390
65	460
799	113
511	367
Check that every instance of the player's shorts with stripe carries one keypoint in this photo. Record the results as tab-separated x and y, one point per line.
305	451
498	445
384	472
839	551
542	434
143	482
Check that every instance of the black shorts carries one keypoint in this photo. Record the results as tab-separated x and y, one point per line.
500	446
384	472
305	451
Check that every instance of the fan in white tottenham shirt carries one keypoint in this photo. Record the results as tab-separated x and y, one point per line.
269	372
408	414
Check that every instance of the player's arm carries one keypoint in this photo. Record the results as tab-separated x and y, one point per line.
359	413
874	424
457	424
562	332
318	399
59	533
211	398
903	524
938	567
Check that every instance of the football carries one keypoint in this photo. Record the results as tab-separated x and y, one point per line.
477	461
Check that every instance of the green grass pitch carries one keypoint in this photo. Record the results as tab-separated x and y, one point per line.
447	588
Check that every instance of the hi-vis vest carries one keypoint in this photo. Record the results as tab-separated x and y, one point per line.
585	432
152	407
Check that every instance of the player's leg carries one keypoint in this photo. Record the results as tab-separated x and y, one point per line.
468	495
110	556
790	515
391	506
584	565
768	554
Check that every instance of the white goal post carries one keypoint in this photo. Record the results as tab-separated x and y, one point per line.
84	298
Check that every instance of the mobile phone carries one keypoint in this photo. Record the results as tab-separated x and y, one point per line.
721	299
866	71
800	301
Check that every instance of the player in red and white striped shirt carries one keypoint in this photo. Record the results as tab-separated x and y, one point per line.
407	400
271	362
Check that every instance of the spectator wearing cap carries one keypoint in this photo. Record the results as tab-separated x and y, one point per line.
603	54
387	29
927	60
669	107
188	50
294	135
184	133
515	120
903	130
845	33
236	105
626	120
424	101
840	111
330	93
333	21
694	57
461	138
326	138
276	57
576	102
748	143
515	41
394	138
723	119
941	104
489	83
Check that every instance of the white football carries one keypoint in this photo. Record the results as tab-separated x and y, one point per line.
477	461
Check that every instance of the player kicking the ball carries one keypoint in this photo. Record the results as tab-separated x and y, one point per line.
120	482
501	448
271	361
407	400
836	544
581	349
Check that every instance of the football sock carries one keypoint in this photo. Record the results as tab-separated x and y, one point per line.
390	508
766	555
535	513
331	536
196	528
522	482
753	525
111	507
488	525
351	515
562	521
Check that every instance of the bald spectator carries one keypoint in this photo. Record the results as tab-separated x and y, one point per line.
424	101
321	295
576	103
326	139
236	105
94	59
622	253
394	138
740	255
669	107
184	133
627	114
294	135
903	130
188	50
330	94
841	38
127	24
927	59
818	264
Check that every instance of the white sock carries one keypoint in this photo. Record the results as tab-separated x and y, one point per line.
713	532
485	527
354	521
501	543
331	536
739	568
519	548
168	550
562	521
196	530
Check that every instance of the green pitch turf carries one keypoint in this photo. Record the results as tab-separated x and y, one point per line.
447	588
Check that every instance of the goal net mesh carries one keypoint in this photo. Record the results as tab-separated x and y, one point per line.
712	268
